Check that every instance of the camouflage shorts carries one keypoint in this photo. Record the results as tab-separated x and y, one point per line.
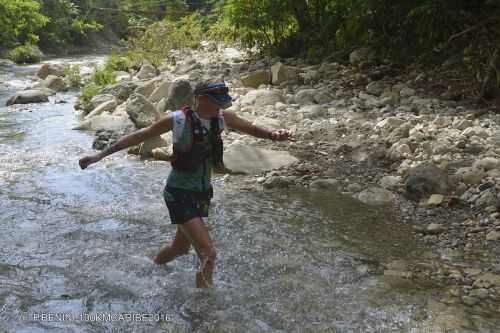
183	205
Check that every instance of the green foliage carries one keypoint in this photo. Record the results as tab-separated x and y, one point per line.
25	54
116	62
88	91
161	37
99	79
19	22
67	24
72	73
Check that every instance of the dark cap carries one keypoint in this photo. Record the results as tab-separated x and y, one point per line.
218	92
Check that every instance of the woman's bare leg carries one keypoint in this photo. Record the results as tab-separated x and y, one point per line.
197	234
179	246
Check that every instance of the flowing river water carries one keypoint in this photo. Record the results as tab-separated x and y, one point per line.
76	246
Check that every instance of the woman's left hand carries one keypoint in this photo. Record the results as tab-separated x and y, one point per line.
281	135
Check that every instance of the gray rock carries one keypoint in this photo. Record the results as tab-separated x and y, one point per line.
6	63
329	184
147	147
435	229
282	73
108	106
240	158
493	236
180	94
323	97
255	79
141	111
55	83
50	69
487	163
99	99
147	88
262	98
105	121
121	90
160	92
305	96
122	76
147	71
313	111
376	196
376	88
390	182
277	182
29	96
470	176
425	180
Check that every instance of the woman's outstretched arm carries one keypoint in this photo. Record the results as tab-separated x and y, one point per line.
240	124
161	126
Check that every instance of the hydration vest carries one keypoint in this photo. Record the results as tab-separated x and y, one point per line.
192	144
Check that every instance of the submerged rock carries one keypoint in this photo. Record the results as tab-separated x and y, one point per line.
240	158
30	96
376	196
425	180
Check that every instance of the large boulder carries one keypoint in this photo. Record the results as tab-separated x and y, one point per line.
147	71
121	90
6	63
282	73
179	95
160	92
245	159
55	83
262	97
141	111
30	96
99	99
266	122
106	121
50	69
147	88
255	79
108	106
426	179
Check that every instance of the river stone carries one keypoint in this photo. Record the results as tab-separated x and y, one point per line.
262	97
108	106
107	121
6	63
376	196
376	88
241	158
323	97
99	99
487	163
283	73
147	71
493	236
121	90
278	182
435	229
29	96
305	96
160	92
179	95
424	180
255	79
313	111
147	88
329	184
55	83
50	69
487	280
390	182
141	111
162	153
161	141
470	176
435	200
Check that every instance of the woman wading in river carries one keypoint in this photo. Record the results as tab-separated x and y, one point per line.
197	147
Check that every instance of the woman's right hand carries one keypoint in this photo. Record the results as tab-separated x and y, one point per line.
88	160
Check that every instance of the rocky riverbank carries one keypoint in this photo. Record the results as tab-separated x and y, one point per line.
372	131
